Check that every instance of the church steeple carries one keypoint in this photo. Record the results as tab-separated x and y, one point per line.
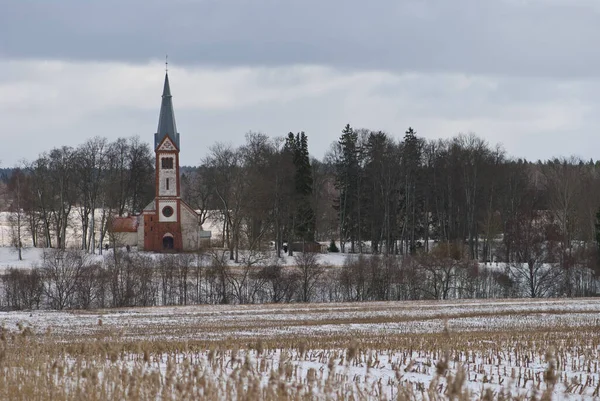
166	120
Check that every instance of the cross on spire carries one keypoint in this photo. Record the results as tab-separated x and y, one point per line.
166	63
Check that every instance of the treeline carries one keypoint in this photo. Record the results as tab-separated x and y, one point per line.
372	193
377	194
73	279
265	190
44	196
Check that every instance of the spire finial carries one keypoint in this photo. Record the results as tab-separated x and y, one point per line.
166	63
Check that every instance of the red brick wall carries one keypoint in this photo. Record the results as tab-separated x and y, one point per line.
154	232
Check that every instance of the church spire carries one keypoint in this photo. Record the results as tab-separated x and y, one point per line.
166	120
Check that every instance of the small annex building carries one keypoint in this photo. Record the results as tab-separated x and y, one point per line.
124	230
167	223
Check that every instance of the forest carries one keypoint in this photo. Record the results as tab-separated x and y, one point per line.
446	218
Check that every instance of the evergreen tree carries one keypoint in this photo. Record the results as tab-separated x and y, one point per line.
412	199
347	171
379	189
333	247
305	227
303	218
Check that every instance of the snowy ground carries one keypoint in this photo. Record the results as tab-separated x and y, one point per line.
213	322
33	257
366	348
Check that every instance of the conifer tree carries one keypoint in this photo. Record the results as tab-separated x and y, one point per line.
411	164
347	171
303	218
305	226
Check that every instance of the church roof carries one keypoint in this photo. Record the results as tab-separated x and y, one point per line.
149	206
124	224
166	120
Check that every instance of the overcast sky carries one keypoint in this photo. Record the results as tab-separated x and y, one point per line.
523	73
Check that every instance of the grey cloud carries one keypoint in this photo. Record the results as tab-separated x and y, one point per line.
552	38
533	118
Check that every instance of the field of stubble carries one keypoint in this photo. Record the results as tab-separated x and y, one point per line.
508	349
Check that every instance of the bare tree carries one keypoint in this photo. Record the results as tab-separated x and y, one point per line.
17	218
90	286
62	167
22	289
258	154
226	171
184	263
217	274
196	190
533	254
242	279
278	282
443	269
39	213
62	270
310	272
563	180
92	164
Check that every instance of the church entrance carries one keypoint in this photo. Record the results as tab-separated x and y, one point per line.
168	242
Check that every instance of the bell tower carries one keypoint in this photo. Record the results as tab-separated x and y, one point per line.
168	223
166	147
165	225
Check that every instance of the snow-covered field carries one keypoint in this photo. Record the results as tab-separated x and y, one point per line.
380	350
214	322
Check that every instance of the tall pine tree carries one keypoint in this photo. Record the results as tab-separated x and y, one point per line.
412	199
303	218
347	172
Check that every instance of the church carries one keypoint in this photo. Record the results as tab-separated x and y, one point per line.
167	223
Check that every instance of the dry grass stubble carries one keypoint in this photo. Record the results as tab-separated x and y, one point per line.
109	364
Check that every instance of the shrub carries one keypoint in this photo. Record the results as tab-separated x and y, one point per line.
333	247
